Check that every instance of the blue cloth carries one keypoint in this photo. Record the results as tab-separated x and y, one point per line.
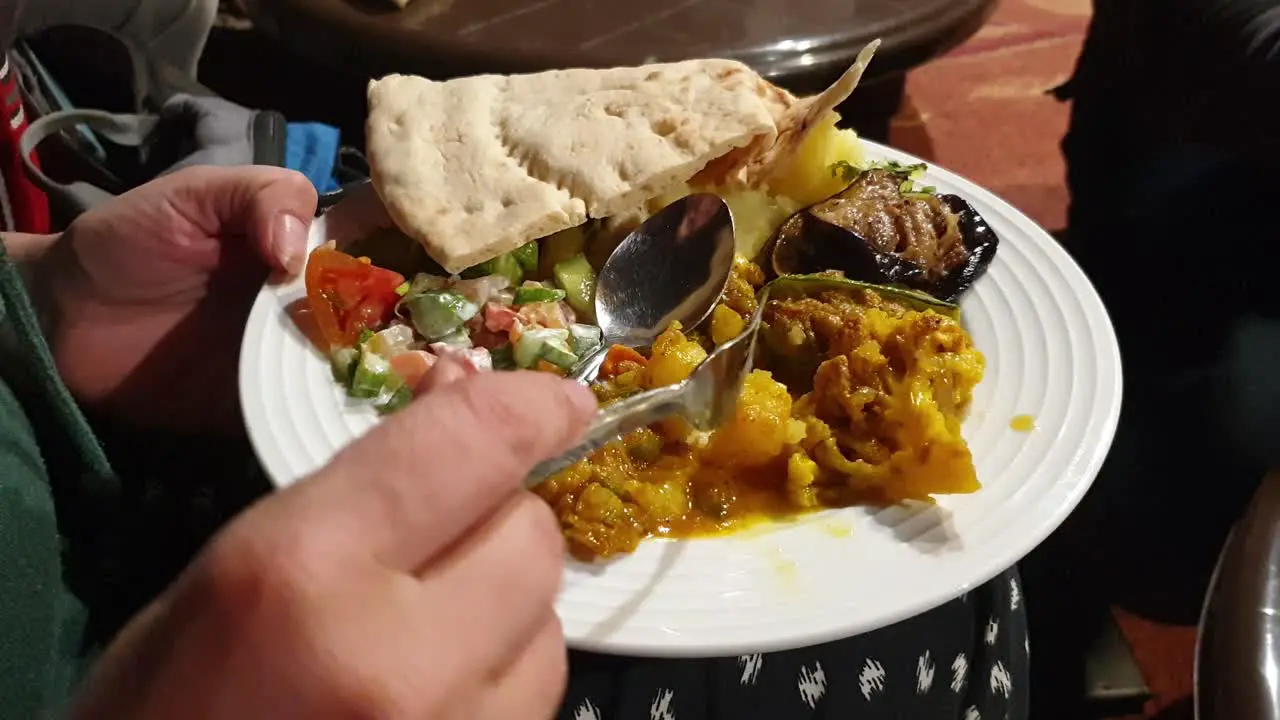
312	149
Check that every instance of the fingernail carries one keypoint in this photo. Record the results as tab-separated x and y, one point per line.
288	241
581	397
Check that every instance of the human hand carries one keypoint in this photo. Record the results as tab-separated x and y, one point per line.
410	578
149	292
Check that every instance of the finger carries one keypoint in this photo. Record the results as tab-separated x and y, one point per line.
492	592
272	207
418	481
533	685
446	370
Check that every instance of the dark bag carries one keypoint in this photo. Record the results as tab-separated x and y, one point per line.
148	119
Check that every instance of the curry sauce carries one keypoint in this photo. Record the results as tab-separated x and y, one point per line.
856	399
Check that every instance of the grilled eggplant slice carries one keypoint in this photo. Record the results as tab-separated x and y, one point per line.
882	230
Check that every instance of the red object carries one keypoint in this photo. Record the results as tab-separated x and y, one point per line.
23	206
348	295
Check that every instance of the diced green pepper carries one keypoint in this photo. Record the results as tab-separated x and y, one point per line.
578	280
527	295
527	256
437	313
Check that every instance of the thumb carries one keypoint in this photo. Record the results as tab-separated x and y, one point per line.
271	207
420	480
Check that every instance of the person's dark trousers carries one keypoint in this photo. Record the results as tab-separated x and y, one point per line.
1172	158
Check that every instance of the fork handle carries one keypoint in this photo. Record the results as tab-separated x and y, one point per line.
613	420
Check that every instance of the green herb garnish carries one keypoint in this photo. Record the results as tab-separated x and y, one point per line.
845	170
848	172
897	168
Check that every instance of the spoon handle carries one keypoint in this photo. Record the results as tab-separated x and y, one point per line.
590	365
613	420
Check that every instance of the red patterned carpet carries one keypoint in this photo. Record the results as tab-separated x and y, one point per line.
984	110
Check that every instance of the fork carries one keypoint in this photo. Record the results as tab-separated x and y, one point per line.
706	399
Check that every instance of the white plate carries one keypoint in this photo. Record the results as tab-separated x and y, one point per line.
1051	353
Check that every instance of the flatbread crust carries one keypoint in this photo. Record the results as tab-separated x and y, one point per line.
802	117
475	167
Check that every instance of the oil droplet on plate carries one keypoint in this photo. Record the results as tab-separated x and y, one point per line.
1023	423
836	529
784	568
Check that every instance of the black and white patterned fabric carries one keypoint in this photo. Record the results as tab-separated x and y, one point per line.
966	660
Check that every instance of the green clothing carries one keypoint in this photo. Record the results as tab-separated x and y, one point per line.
86	543
80	551
42	622
40	619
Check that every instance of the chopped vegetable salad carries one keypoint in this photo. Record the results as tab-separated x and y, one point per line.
384	331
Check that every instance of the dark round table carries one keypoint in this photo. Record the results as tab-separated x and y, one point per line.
801	46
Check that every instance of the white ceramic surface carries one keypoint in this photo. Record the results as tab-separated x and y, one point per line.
1051	353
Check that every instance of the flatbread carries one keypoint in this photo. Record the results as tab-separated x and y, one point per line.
475	167
800	119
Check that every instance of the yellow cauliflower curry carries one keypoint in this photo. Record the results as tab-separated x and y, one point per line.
856	398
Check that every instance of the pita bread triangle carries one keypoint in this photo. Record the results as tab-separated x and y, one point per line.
475	167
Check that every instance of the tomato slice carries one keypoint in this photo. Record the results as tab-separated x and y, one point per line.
348	295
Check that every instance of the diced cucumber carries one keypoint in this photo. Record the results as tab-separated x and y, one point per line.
422	282
505	265
459	338
389	341
396	400
560	247
503	358
528	349
558	353
371	374
527	256
392	392
578	280
584	338
439	312
343	362
526	295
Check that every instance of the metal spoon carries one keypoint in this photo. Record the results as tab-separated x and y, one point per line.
673	267
706	399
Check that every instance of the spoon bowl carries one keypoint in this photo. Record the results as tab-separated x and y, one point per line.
674	267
